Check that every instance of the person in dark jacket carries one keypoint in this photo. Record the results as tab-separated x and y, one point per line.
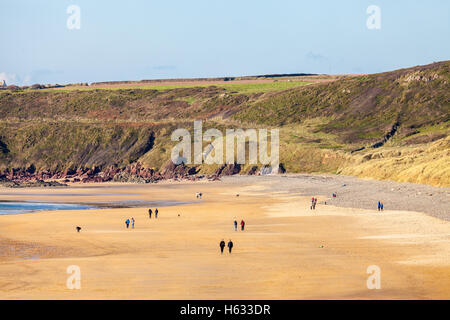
235	225
156	213
150	213
230	245
222	246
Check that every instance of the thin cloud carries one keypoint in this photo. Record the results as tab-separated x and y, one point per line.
165	68
315	56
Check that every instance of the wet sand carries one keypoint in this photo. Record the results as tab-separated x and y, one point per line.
286	252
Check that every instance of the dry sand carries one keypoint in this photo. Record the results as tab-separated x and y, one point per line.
286	252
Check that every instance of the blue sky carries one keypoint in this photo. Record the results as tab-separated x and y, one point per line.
146	39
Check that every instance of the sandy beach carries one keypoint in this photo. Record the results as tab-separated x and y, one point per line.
287	251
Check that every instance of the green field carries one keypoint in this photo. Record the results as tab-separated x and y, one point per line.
242	88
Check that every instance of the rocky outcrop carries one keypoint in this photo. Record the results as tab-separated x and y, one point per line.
419	76
252	171
31	183
227	170
135	173
388	136
131	173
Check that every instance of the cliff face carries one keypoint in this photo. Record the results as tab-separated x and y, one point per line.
124	134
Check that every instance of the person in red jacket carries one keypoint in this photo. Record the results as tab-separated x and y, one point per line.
242	225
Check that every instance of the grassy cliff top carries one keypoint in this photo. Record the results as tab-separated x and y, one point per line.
320	122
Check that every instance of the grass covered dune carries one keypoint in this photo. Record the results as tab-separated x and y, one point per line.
398	121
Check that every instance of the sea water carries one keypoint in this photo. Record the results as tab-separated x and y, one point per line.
19	207
16	207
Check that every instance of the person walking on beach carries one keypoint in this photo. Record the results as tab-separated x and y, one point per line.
150	213
313	203
127	222
230	245
235	225
222	246
132	223
156	213
379	205
242	225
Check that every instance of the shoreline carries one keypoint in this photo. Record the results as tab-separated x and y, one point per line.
46	205
353	192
